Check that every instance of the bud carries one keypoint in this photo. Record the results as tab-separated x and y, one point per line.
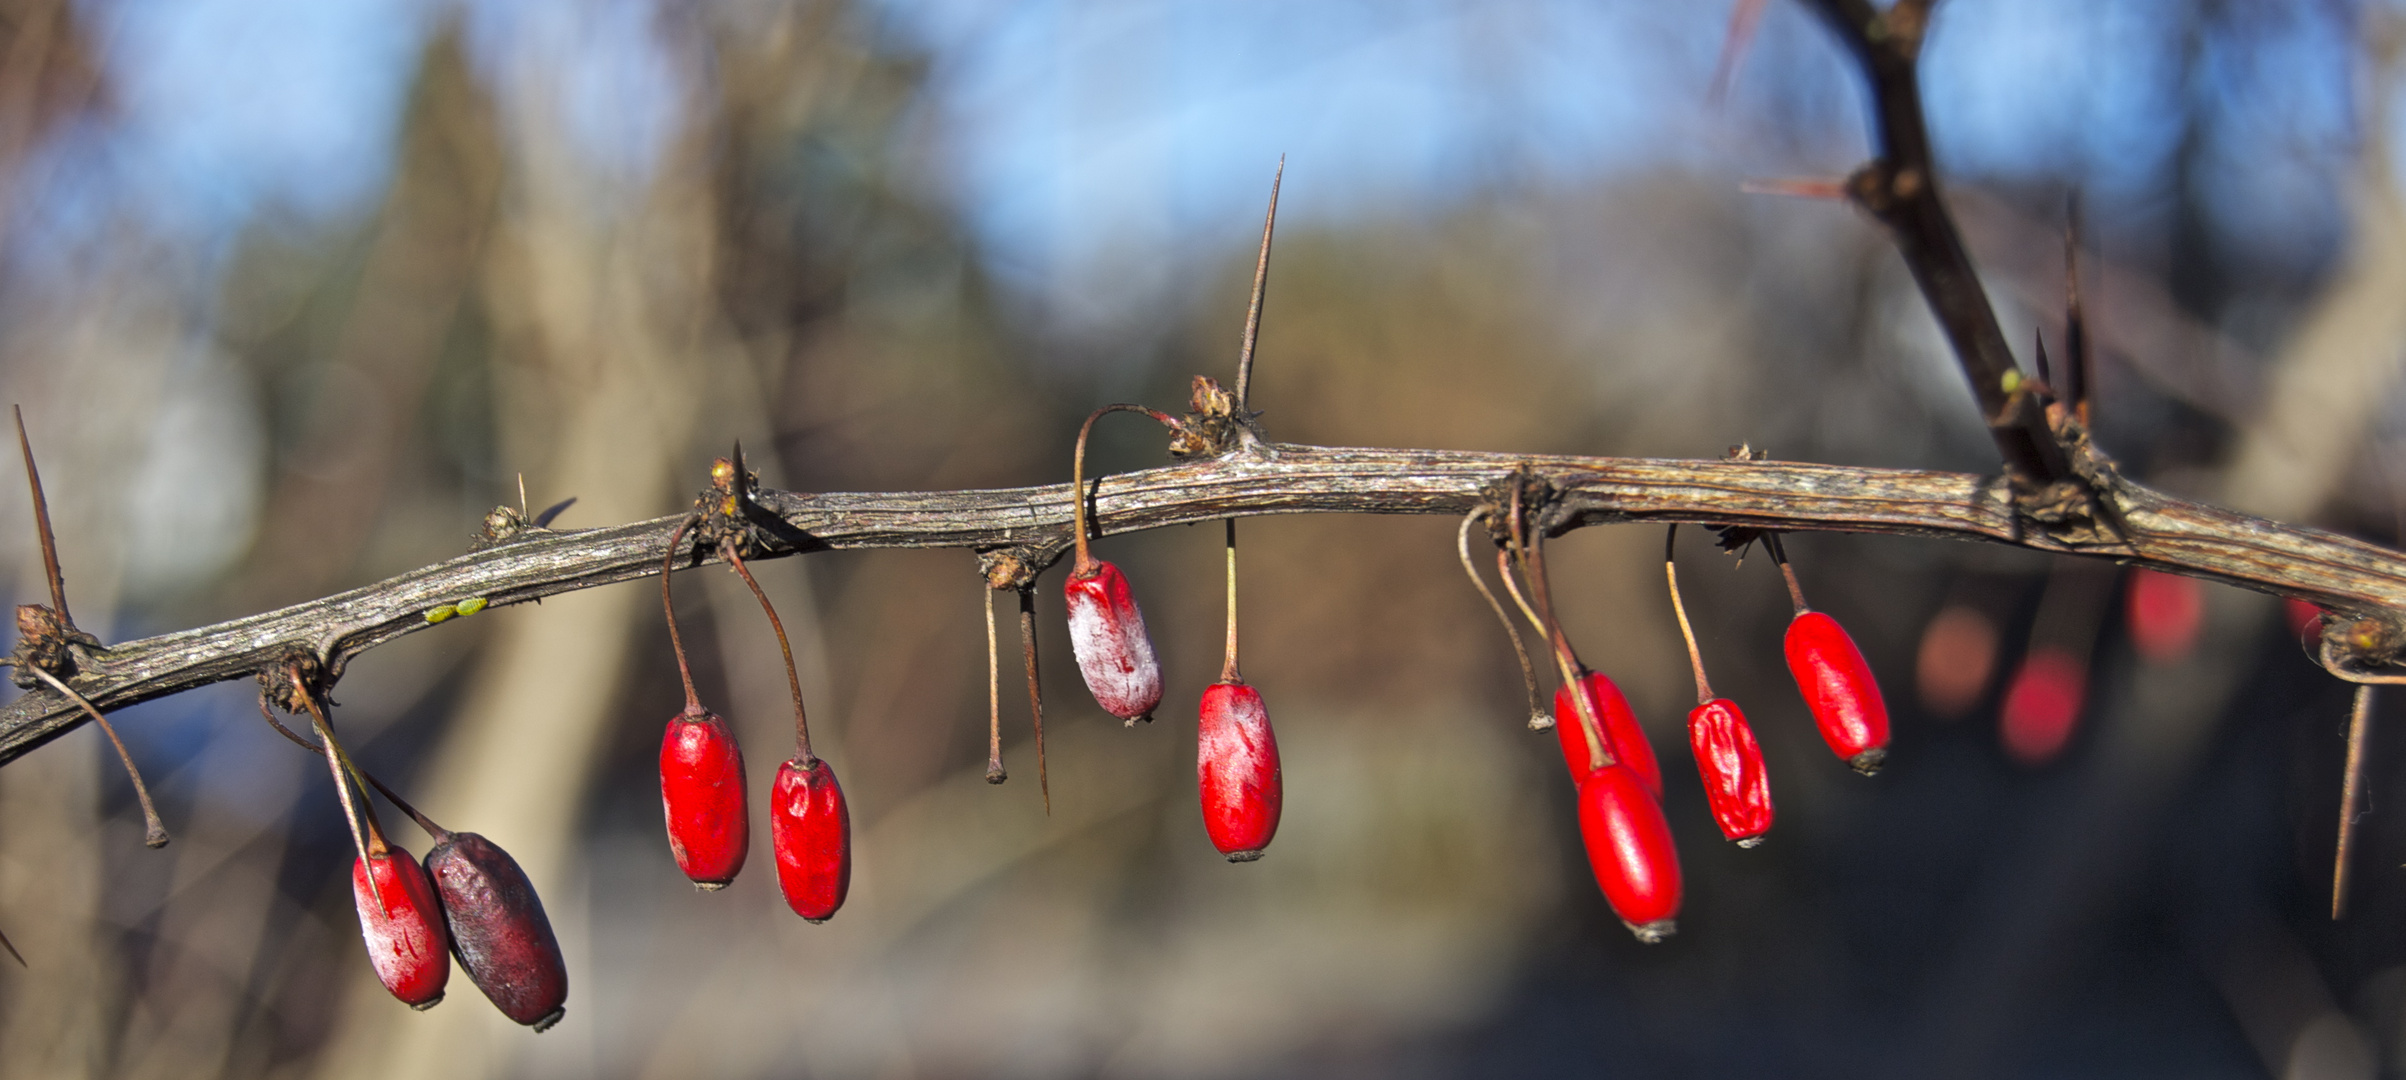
811	831
1624	737
1629	847
403	925
702	796
1236	768
1839	691
1108	634
498	929
1732	767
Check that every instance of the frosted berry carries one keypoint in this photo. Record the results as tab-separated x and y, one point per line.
1107	632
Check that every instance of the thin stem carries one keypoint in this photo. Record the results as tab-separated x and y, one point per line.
2350	791
437	832
1538	720
1779	554
994	760
341	761
1077	476
154	831
1027	644
793	680
1228	672
1532	567
342	785
41	521
676	641
1261	282
1670	569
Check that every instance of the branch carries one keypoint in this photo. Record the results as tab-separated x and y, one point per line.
1032	524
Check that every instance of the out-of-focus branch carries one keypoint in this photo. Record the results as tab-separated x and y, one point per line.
2363	582
1900	188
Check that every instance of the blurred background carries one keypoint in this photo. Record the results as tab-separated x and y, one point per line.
293	293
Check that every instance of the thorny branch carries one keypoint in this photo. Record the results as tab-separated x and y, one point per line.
2363	584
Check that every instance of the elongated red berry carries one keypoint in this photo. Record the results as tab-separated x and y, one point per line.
811	830
403	925
498	929
2165	613
1624	737
1735	782
2042	705
1838	690
1107	632
1236	767
702	796
1629	847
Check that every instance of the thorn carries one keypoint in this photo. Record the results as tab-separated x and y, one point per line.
2046	373
2351	789
544	519
522	496
2075	327
12	951
1743	18
1798	187
1261	282
41	520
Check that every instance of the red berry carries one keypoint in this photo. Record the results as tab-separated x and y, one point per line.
702	796
2165	613
1624	737
2303	617
2042	704
811	831
1107	631
1735	782
403	925
1236	767
1839	691
498	929
1629	847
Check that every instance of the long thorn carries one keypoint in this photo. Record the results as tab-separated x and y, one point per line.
1027	644
12	951
2351	789
1228	670
1261	282
793	680
1538	720
1670	568
994	760
154	831
676	641
1779	554
2075	327
41	521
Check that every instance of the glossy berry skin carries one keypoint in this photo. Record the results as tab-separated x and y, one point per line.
2165	612
811	831
702	797
1236	768
1735	782
1624	737
1629	847
403	925
1839	691
498	929
2042	705
1107	632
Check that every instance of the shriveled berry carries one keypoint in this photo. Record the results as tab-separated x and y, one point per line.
702	797
403	925
1107	631
1629	847
2165	613
1735	782
2042	705
1624	738
1236	768
498	929
811	831
1838	690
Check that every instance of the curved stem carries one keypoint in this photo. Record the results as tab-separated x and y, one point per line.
793	680
1228	671
676	641
437	832
1532	565
154	831
1077	476
372	844
1538	720
1670	569
1779	554
1261	282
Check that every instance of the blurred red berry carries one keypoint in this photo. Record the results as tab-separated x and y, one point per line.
2042	705
1958	654
2303	617
2165	613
